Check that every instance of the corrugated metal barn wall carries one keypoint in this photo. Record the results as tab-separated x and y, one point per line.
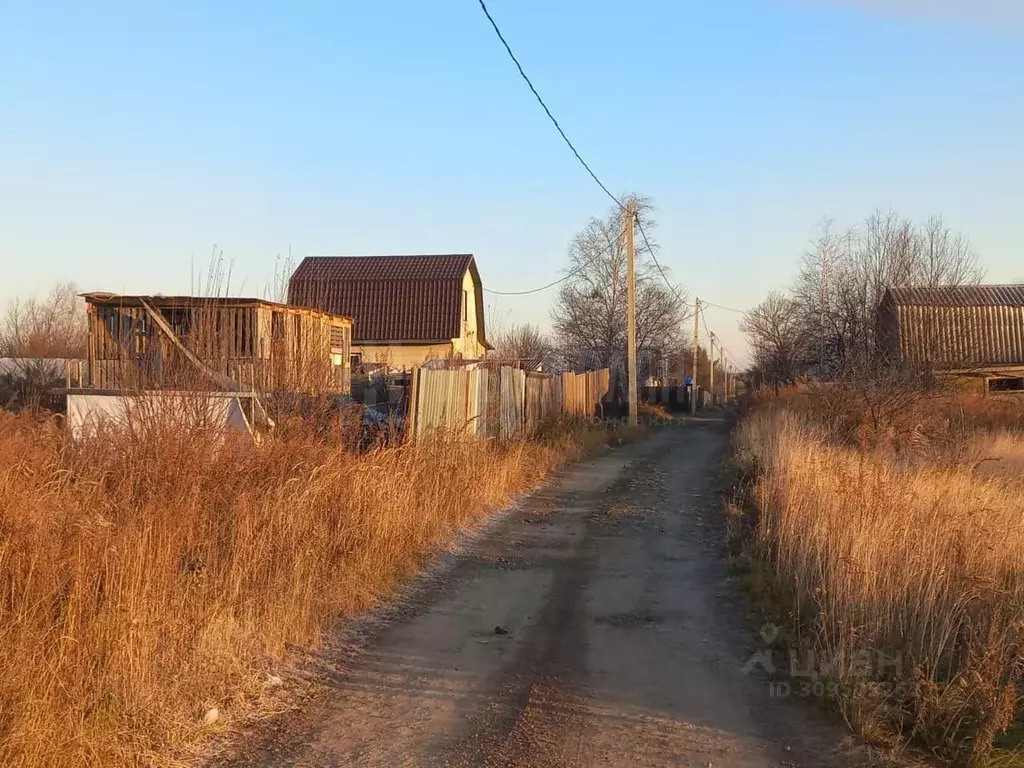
961	336
952	327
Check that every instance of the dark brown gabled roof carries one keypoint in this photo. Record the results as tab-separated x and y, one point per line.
393	299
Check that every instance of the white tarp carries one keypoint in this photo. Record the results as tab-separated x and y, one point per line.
201	410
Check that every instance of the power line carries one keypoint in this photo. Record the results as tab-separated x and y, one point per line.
654	256
551	117
573	273
535	290
727	309
669	283
716	338
579	157
704	317
568	142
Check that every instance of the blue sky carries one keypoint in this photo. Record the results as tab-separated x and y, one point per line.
136	136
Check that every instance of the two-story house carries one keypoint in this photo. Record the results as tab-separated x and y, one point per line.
406	309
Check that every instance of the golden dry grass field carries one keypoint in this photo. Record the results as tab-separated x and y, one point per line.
148	578
893	543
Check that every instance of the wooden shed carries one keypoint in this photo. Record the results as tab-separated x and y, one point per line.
233	344
974	333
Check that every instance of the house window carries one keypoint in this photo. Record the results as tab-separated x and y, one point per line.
356	359
465	306
1006	385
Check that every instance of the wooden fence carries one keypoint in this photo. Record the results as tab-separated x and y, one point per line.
505	403
583	393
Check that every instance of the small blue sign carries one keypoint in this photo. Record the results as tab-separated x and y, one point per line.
689	381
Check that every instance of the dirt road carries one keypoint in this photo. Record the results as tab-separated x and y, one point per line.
625	641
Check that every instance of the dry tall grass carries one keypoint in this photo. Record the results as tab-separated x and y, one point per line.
145	580
902	563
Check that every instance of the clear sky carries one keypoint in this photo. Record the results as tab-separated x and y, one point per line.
134	137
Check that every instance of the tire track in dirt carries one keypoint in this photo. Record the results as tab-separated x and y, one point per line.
625	641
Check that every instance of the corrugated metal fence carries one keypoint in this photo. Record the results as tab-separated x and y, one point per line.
506	403
455	400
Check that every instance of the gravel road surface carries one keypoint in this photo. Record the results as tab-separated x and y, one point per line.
594	625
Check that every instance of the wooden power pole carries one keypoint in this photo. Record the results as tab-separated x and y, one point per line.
696	349
630	215
711	362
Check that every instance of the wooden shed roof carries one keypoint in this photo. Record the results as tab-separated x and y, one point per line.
103	298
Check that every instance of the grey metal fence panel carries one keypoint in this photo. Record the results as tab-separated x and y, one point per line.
506	403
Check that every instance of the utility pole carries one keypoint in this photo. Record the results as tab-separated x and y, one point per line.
711	362
630	215
696	348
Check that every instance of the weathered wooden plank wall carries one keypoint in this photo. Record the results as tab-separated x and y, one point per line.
543	398
513	393
259	347
584	393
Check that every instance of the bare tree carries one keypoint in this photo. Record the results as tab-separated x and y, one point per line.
845	275
35	330
826	298
54	326
526	345
947	257
776	338
589	314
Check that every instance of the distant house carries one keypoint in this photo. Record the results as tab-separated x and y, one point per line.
407	309
973	333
